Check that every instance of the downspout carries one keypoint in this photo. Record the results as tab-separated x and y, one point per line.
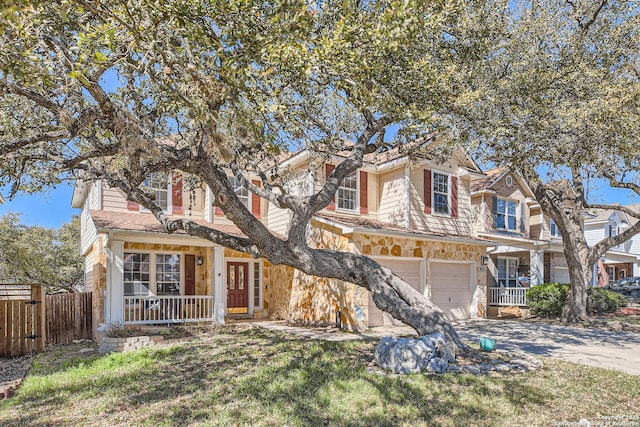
407	194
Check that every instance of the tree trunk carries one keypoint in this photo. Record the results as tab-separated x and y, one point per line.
575	307
389	292
577	255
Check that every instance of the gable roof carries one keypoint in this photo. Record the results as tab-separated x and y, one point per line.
403	152
492	176
603	215
496	175
357	224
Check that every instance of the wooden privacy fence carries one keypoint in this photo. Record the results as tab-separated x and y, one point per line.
22	314
68	317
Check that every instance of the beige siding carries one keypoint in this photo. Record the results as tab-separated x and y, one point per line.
88	232
278	219
113	200
392	197
434	222
535	224
480	214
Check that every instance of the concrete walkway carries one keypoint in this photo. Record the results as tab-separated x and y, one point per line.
593	347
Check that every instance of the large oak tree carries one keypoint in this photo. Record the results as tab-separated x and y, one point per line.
211	86
556	97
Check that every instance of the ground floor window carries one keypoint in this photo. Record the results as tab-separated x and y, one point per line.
151	274
507	272
256	284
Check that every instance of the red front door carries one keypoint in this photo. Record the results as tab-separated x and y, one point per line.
237	285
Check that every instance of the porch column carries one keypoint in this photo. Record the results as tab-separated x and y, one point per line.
219	300
115	286
536	269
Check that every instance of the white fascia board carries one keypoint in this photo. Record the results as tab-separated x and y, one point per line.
483	191
155	238
296	160
343	228
80	190
514	240
418	236
391	164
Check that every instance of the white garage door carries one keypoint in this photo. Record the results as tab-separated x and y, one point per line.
451	288
409	271
562	275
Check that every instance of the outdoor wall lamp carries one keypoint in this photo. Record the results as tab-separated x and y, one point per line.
484	260
199	260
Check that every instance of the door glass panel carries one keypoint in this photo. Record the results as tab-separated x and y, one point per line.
232	277
241	277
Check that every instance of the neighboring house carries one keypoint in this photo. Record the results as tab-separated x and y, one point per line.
413	216
622	260
529	250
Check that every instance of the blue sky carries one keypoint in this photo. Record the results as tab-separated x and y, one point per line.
47	210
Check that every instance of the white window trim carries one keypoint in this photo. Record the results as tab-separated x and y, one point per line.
506	215
433	193
169	209
233	183
153	286
250	307
557	234
507	259
356	208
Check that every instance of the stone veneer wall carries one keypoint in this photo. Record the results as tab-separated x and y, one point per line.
276	285
316	300
98	296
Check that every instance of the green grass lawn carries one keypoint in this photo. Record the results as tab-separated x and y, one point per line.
256	377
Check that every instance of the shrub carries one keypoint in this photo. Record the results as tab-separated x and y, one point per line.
547	299
602	301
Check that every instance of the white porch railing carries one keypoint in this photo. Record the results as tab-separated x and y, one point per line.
508	296
154	310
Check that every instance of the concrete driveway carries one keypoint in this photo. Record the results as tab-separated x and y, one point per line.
593	347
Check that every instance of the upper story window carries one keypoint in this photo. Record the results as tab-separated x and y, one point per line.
348	192
441	193
241	192
158	185
506	214
553	228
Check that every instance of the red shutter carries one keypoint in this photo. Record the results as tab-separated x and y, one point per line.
426	191
364	203
328	170
176	194
132	206
255	200
454	196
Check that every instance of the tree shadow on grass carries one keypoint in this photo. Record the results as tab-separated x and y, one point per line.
262	377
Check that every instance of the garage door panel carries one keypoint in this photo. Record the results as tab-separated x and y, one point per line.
409	271
451	288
